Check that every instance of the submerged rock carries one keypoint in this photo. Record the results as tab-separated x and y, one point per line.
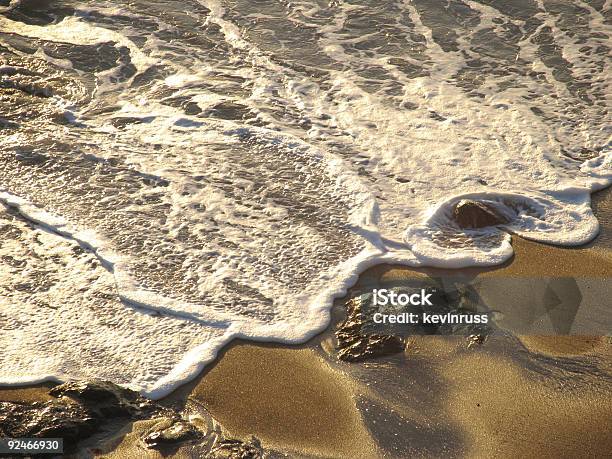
354	346
475	214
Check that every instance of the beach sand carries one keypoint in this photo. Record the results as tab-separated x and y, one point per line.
289	398
35	393
522	396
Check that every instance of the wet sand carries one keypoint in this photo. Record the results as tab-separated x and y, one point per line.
36	393
509	397
506	402
289	398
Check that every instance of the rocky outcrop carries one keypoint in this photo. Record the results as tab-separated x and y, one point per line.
471	214
53	419
98	410
107	400
81	409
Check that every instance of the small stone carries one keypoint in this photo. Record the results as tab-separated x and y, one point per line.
192	108
474	214
475	340
236	449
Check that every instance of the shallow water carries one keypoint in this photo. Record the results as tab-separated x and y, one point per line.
199	171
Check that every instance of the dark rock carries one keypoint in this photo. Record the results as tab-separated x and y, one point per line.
228	110
171	432
52	419
474	214
192	108
476	340
123	121
354	346
106	399
81	410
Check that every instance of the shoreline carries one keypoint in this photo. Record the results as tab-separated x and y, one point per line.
300	399
305	229
600	247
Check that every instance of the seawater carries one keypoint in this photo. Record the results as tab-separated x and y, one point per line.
176	174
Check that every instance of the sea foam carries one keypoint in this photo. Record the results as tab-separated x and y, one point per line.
235	181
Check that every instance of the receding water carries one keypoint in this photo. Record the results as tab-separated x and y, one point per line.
175	174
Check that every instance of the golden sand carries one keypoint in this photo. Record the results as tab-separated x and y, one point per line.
504	412
38	393
288	398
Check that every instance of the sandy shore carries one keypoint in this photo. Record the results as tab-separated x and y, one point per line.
290	398
544	394
509	397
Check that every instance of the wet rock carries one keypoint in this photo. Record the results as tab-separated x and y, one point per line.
80	410
192	108
475	214
106	399
53	419
89	415
170	432
228	110
122	122
83	409
236	449
354	346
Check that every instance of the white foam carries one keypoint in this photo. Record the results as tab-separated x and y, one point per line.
201	230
